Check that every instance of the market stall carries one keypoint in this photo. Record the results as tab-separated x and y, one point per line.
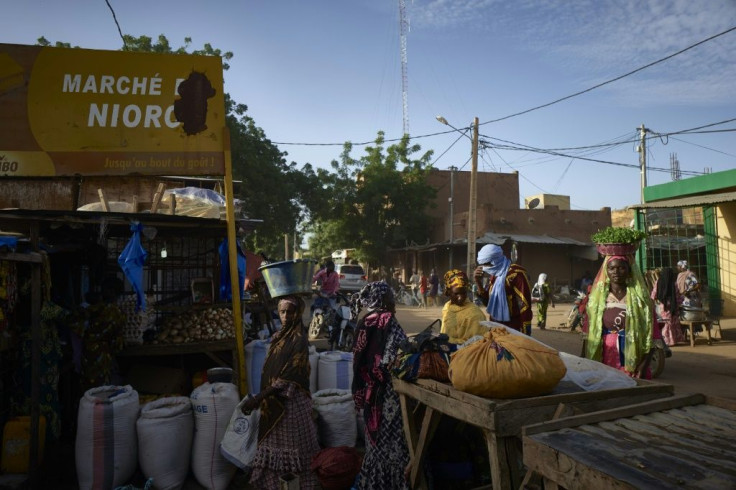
501	421
680	442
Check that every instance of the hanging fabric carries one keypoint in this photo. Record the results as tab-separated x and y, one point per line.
131	260
226	293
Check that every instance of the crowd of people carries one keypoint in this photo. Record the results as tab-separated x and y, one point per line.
622	319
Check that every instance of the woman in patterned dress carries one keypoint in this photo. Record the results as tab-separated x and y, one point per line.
377	341
287	436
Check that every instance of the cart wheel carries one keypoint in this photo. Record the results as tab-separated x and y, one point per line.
315	327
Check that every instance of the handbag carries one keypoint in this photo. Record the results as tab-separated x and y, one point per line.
424	356
240	441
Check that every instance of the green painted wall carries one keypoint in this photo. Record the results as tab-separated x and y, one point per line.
710	183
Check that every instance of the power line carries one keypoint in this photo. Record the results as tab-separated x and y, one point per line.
115	18
661	60
613	79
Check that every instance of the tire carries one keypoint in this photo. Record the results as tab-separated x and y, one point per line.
657	362
315	327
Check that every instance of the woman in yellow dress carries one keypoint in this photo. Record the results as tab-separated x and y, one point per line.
460	317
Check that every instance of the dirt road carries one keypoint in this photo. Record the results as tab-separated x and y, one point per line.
707	369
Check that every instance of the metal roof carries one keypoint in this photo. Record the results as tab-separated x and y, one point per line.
688	202
501	238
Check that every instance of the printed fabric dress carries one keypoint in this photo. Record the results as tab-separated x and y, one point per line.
386	454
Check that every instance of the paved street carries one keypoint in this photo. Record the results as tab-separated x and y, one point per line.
708	369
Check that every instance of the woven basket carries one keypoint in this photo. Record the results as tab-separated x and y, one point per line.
617	248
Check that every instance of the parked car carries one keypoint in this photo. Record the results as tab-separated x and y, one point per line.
352	277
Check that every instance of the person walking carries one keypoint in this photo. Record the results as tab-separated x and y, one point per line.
423	289
542	296
508	294
377	343
414	284
434	288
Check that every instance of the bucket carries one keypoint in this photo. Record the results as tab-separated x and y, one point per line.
288	277
220	375
17	444
692	314
255	356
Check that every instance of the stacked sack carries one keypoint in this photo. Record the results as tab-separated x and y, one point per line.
213	405
106	449
505	363
165	432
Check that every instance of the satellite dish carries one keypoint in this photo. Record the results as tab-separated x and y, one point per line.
533	203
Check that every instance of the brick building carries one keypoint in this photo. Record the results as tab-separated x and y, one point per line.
549	238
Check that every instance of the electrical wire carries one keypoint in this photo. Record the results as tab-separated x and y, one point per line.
115	18
649	65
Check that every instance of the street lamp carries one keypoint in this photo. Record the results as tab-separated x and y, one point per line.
473	195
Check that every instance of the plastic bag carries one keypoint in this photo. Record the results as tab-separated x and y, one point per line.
240	441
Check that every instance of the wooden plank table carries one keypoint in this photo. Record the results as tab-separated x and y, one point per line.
685	441
425	401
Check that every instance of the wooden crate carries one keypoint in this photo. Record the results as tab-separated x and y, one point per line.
680	442
501	420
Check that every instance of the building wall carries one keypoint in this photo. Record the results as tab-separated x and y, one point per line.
496	189
726	225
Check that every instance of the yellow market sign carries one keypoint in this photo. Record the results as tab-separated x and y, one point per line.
88	112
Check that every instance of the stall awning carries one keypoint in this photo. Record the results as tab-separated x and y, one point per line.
501	238
688	202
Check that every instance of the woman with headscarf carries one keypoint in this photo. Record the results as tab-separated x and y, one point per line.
376	345
621	317
666	301
688	285
287	436
460	317
508	296
541	295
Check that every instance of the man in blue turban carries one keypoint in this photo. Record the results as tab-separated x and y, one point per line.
508	294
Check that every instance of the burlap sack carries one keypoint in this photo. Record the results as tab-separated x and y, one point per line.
506	364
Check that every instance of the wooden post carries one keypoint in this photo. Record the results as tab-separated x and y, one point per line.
103	201
157	198
235	284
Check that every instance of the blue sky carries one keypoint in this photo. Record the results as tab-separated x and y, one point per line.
326	72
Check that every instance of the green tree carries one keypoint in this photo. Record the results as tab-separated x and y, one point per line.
379	201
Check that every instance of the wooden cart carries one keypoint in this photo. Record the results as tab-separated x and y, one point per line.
425	401
680	442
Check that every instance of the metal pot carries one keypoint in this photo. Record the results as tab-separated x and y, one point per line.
288	277
692	314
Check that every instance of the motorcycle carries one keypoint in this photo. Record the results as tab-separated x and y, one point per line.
338	324
575	317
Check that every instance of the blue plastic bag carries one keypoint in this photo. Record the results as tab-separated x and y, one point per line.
131	260
226	292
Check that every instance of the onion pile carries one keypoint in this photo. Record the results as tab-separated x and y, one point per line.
197	326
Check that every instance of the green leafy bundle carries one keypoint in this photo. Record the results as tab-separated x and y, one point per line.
616	234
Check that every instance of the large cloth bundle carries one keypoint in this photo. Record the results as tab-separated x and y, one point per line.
337	425
213	405
106	449
336	467
165	433
506	364
313	368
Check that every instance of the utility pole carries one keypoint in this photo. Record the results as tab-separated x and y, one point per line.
452	209
473	202
643	158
